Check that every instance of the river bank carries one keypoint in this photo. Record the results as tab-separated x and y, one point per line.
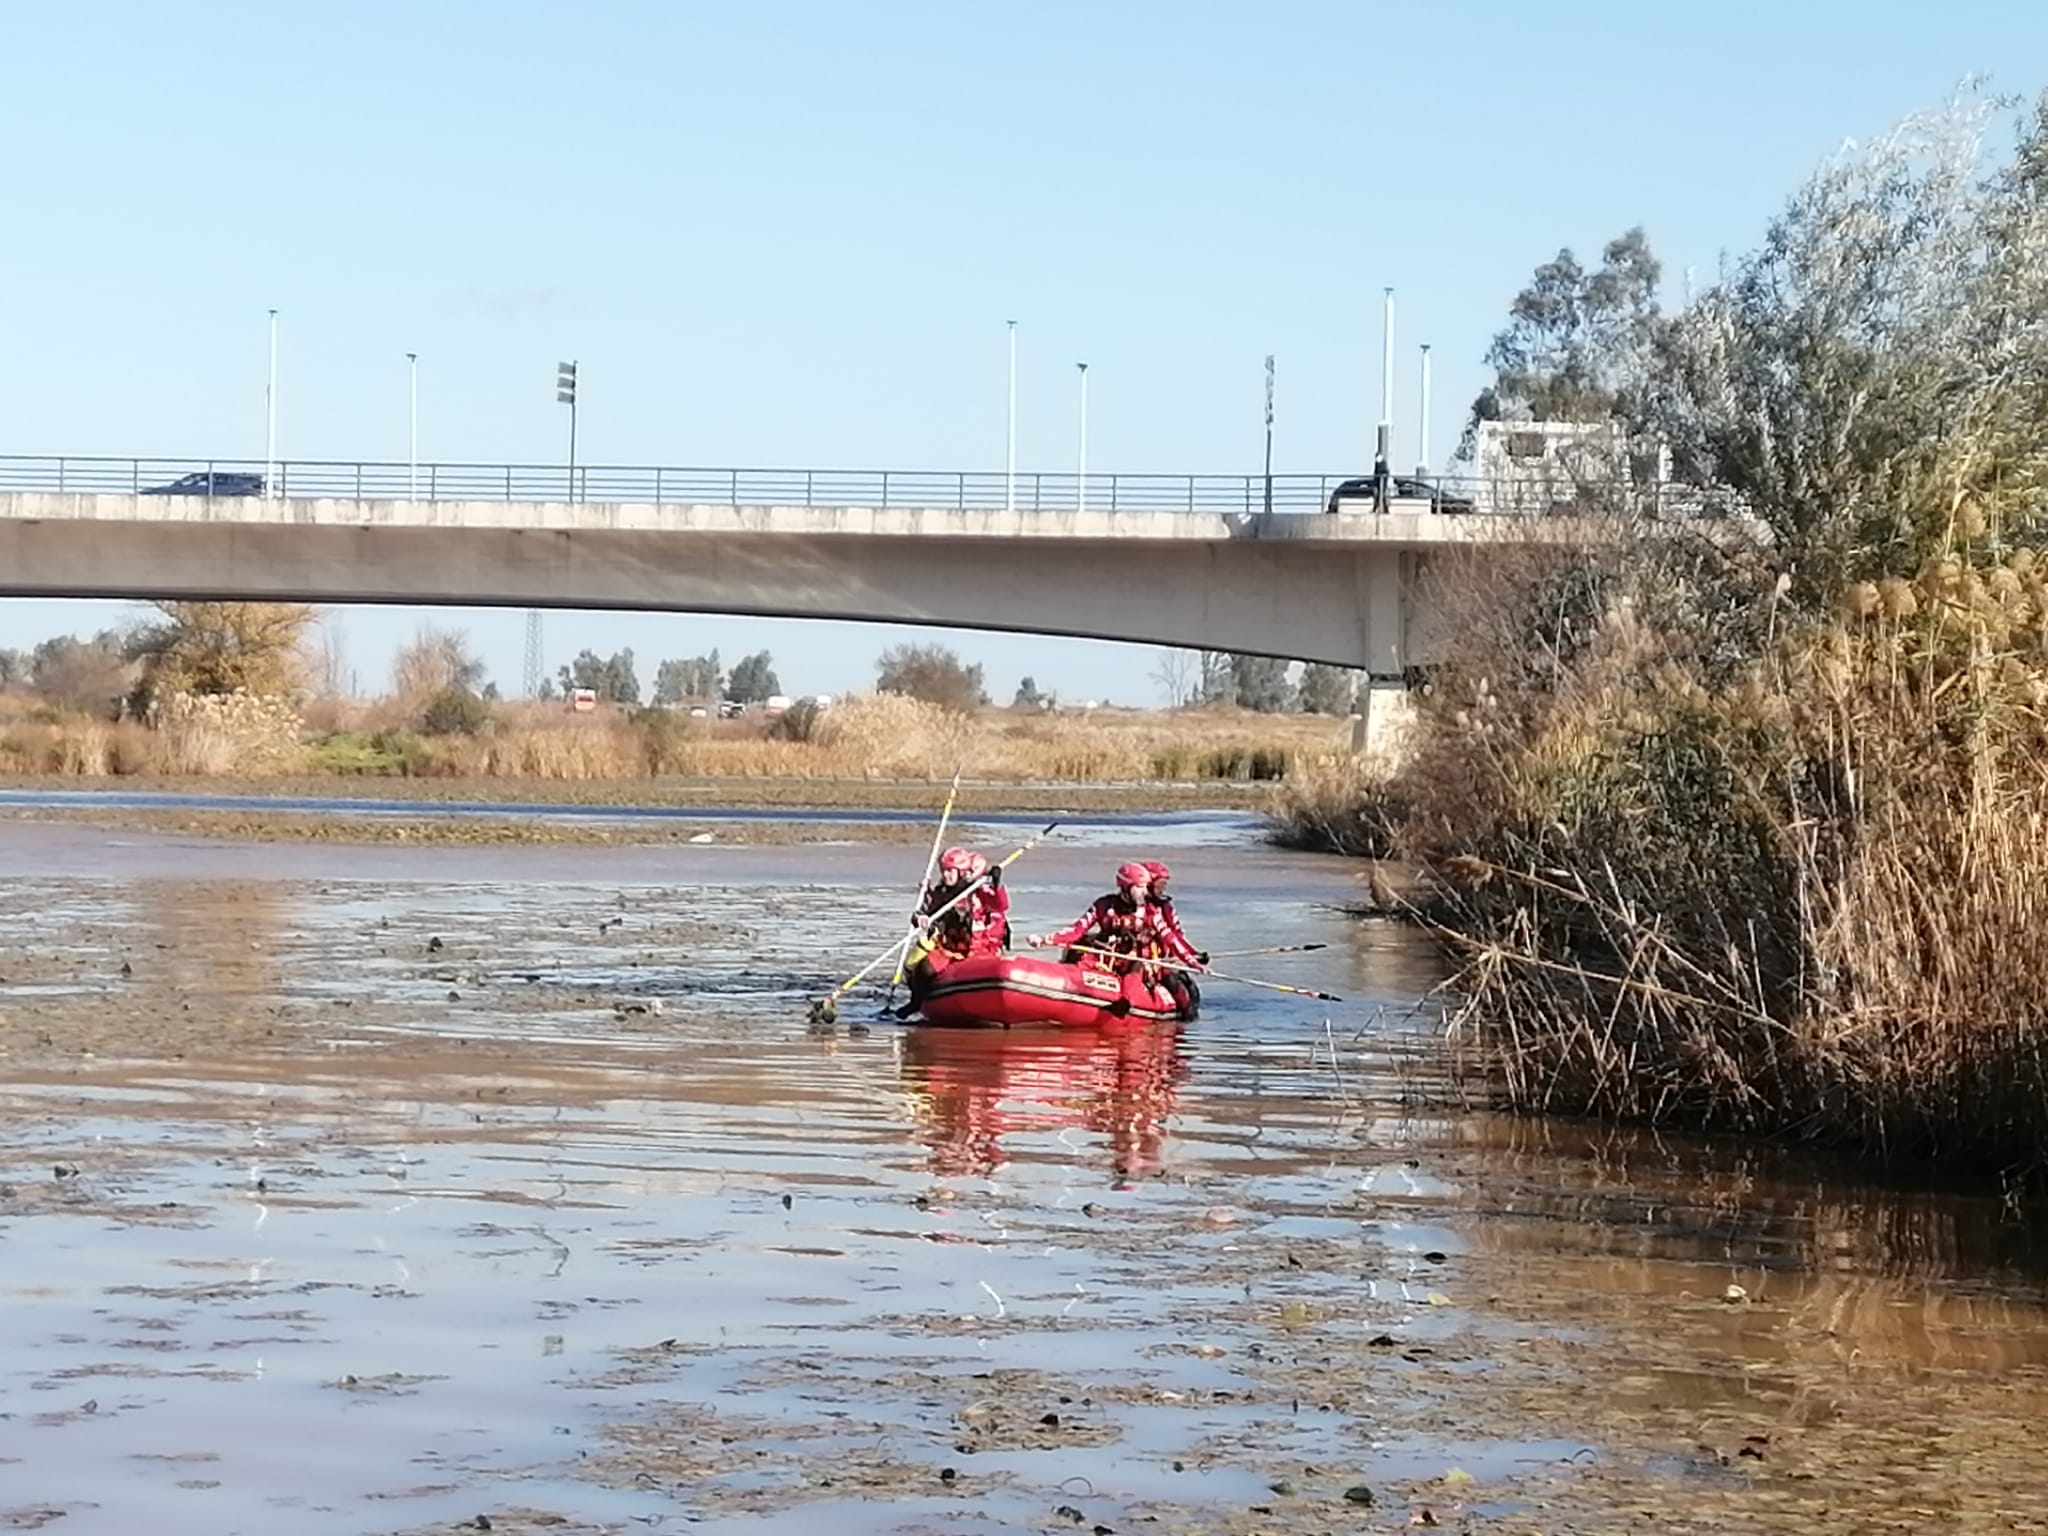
679	792
522	1187
321	811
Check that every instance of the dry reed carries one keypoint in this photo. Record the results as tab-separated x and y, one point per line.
878	736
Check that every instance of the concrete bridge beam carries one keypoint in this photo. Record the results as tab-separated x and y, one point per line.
1331	588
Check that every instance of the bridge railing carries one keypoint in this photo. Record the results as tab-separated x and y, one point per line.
659	486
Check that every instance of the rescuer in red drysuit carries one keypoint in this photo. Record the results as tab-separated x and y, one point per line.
1122	921
987	908
949	939
1171	943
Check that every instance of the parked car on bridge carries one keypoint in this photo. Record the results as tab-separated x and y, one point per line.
210	482
1401	488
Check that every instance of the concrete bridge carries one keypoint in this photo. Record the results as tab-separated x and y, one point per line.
1338	588
1304	567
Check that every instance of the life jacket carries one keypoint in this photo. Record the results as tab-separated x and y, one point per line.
987	915
1111	923
950	938
1169	942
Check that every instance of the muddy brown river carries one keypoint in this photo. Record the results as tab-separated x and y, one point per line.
374	1189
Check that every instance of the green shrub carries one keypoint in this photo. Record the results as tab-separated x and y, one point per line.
455	711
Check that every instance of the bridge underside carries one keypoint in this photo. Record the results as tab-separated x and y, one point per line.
1347	601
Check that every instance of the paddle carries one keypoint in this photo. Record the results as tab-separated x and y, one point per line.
1270	949
930	863
826	1009
1196	970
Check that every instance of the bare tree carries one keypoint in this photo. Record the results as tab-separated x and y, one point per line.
90	676
934	673
434	661
324	662
1179	676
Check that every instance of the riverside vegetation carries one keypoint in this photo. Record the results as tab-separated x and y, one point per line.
875	736
1736	809
251	691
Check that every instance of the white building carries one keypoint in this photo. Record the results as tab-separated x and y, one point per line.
1547	466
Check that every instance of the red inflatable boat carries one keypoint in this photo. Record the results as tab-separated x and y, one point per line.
1000	991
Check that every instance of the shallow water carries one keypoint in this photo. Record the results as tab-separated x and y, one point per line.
387	1188
1169	828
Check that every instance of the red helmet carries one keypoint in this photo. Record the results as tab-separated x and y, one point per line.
958	861
1130	875
1160	873
977	866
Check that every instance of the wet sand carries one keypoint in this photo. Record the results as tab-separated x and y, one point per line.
380	1188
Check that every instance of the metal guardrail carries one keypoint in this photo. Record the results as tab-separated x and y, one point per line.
939	489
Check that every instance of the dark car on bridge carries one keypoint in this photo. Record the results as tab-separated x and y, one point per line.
210	482
1400	488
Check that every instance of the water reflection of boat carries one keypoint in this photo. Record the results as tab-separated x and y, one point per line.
975	1087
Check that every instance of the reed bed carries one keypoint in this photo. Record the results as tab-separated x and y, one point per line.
880	736
1803	894
1733	801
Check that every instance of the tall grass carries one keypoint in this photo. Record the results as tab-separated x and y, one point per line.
1807	897
1736	811
1780	872
1339	804
881	736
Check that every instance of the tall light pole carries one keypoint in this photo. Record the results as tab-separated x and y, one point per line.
1081	456
565	394
412	430
1269	434
1010	452
270	416
1385	446
1422	424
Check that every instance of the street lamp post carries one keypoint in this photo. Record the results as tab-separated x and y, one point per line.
412	430
270	416
1269	434
1422	423
1385	446
565	394
1383	450
1081	457
1010	451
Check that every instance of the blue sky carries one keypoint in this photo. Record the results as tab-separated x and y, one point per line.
790	234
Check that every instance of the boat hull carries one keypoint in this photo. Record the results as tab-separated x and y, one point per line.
1006	991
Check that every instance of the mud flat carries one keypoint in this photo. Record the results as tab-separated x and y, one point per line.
380	1189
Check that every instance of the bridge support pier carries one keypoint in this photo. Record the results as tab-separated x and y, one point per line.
1379	729
1386	603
